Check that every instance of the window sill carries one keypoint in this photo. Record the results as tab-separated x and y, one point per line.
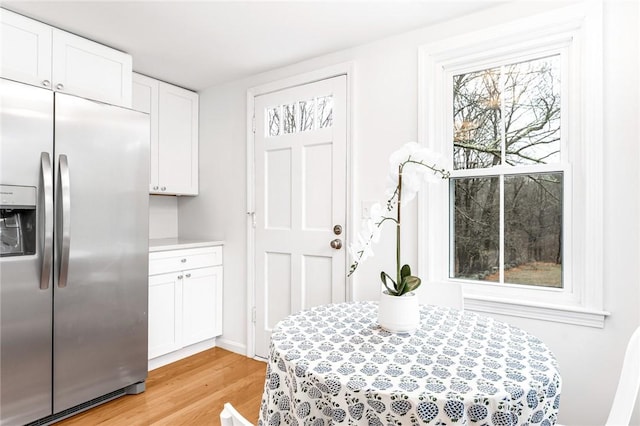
546	312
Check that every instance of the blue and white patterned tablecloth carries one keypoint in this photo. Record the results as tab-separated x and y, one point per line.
333	364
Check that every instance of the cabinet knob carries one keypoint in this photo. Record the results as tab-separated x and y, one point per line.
164	188
155	188
188	275
59	86
46	83
179	277
183	260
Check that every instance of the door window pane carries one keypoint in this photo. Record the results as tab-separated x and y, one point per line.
273	124
325	111
306	115
289	118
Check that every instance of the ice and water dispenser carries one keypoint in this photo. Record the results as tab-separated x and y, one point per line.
17	220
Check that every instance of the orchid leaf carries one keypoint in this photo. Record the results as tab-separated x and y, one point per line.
405	271
401	287
410	283
383	277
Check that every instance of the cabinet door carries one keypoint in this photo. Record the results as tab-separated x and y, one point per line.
145	99
177	140
202	294
88	69
25	49
165	313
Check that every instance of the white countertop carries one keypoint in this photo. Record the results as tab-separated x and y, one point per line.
163	244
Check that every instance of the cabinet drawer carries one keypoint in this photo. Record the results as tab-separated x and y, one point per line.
179	260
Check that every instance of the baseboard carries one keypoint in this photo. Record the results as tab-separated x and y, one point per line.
232	346
181	353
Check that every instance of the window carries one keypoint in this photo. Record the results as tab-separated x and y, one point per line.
299	116
506	227
520	223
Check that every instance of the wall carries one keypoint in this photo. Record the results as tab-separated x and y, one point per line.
384	116
163	216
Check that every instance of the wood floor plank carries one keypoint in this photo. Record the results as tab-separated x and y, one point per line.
191	391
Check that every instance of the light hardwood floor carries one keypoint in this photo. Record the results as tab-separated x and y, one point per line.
191	391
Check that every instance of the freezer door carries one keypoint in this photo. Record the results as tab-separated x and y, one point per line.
100	277
26	148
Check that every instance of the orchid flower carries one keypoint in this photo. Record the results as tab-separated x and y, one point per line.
409	167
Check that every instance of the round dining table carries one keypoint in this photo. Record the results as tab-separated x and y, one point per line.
333	364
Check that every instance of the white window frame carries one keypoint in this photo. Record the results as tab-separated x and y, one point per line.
576	33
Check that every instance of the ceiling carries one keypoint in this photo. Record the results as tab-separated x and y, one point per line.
197	44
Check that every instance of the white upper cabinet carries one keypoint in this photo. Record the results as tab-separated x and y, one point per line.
91	70
174	135
25	46
178	140
145	99
35	53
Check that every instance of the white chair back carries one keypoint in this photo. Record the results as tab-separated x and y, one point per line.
230	417
628	384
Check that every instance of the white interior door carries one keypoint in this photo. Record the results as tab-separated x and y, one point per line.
300	197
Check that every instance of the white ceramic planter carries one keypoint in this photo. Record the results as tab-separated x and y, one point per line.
399	314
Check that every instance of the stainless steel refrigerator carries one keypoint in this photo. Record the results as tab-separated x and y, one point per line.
73	253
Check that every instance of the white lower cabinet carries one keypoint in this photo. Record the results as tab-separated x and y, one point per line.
201	289
165	314
185	298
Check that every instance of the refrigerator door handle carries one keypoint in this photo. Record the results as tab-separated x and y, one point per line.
47	250
65	238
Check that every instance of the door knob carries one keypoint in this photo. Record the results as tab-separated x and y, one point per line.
336	244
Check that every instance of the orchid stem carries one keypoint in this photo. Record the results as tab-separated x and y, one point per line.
395	200
399	188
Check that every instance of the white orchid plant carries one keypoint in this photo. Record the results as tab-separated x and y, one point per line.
409	168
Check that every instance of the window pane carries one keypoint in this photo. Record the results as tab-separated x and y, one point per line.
289	120
476	228
532	111
477	120
533	229
325	111
273	126
306	115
